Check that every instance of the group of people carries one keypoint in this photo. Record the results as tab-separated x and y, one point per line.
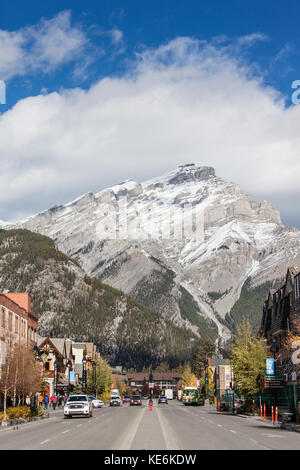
43	400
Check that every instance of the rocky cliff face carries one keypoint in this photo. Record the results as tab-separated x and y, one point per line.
184	243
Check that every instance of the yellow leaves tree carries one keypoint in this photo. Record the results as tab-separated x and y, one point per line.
248	359
188	378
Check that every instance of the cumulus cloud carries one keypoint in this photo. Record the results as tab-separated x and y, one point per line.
42	47
185	101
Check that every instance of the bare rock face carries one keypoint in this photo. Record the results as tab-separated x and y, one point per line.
185	230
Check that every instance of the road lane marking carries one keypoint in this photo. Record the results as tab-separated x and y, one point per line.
64	432
169	436
44	442
131	432
231	430
258	444
220	425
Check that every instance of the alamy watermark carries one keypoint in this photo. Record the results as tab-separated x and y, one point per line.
296	95
125	220
2	92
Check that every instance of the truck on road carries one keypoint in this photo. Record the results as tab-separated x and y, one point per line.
169	394
192	396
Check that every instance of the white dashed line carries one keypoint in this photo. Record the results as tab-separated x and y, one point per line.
44	442
64	432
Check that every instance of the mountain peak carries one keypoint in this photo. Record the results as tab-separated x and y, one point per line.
191	172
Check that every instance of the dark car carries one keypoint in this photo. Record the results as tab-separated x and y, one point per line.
162	399
126	399
135	400
146	397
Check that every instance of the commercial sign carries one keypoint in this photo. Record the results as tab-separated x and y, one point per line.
270	366
275	381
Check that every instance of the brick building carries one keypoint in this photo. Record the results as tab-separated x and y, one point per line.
18	325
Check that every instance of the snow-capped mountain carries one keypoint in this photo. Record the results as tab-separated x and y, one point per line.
183	243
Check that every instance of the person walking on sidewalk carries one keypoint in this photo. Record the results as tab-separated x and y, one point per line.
40	399
46	401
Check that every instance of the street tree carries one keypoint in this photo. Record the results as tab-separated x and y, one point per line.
204	351
104	379
248	360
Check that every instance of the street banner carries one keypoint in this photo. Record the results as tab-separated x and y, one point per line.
270	366
72	377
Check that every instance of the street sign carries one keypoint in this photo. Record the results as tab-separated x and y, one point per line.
275	381
270	366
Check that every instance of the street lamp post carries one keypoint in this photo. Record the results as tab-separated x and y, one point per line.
84	374
94	364
55	376
69	365
151	382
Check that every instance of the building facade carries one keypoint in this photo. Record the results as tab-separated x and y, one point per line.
162	380
18	324
280	324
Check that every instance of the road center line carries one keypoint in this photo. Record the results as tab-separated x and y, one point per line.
131	432
44	442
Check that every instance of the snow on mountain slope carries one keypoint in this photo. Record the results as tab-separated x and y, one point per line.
185	235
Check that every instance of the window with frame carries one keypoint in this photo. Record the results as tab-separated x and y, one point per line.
3	318
10	321
16	324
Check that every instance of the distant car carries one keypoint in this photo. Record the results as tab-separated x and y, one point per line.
96	403
135	400
146	397
78	405
115	401
162	399
126	399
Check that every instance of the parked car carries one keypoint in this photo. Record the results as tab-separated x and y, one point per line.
96	403
115	401
126	399
135	400
162	399
146	397
78	405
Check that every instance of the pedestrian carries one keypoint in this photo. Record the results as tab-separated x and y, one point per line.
27	400
54	402
46	401
40	399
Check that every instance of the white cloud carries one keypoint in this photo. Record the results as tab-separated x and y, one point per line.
186	101
42	47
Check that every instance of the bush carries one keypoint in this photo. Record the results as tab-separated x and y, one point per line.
19	412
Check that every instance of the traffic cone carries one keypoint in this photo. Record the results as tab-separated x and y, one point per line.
150	405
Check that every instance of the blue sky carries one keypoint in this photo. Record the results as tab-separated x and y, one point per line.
92	89
150	24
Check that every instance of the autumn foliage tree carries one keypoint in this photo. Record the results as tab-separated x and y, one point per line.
248	360
20	374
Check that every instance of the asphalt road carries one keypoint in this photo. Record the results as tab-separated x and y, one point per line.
171	426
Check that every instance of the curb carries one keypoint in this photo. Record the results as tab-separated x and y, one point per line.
290	427
14	423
